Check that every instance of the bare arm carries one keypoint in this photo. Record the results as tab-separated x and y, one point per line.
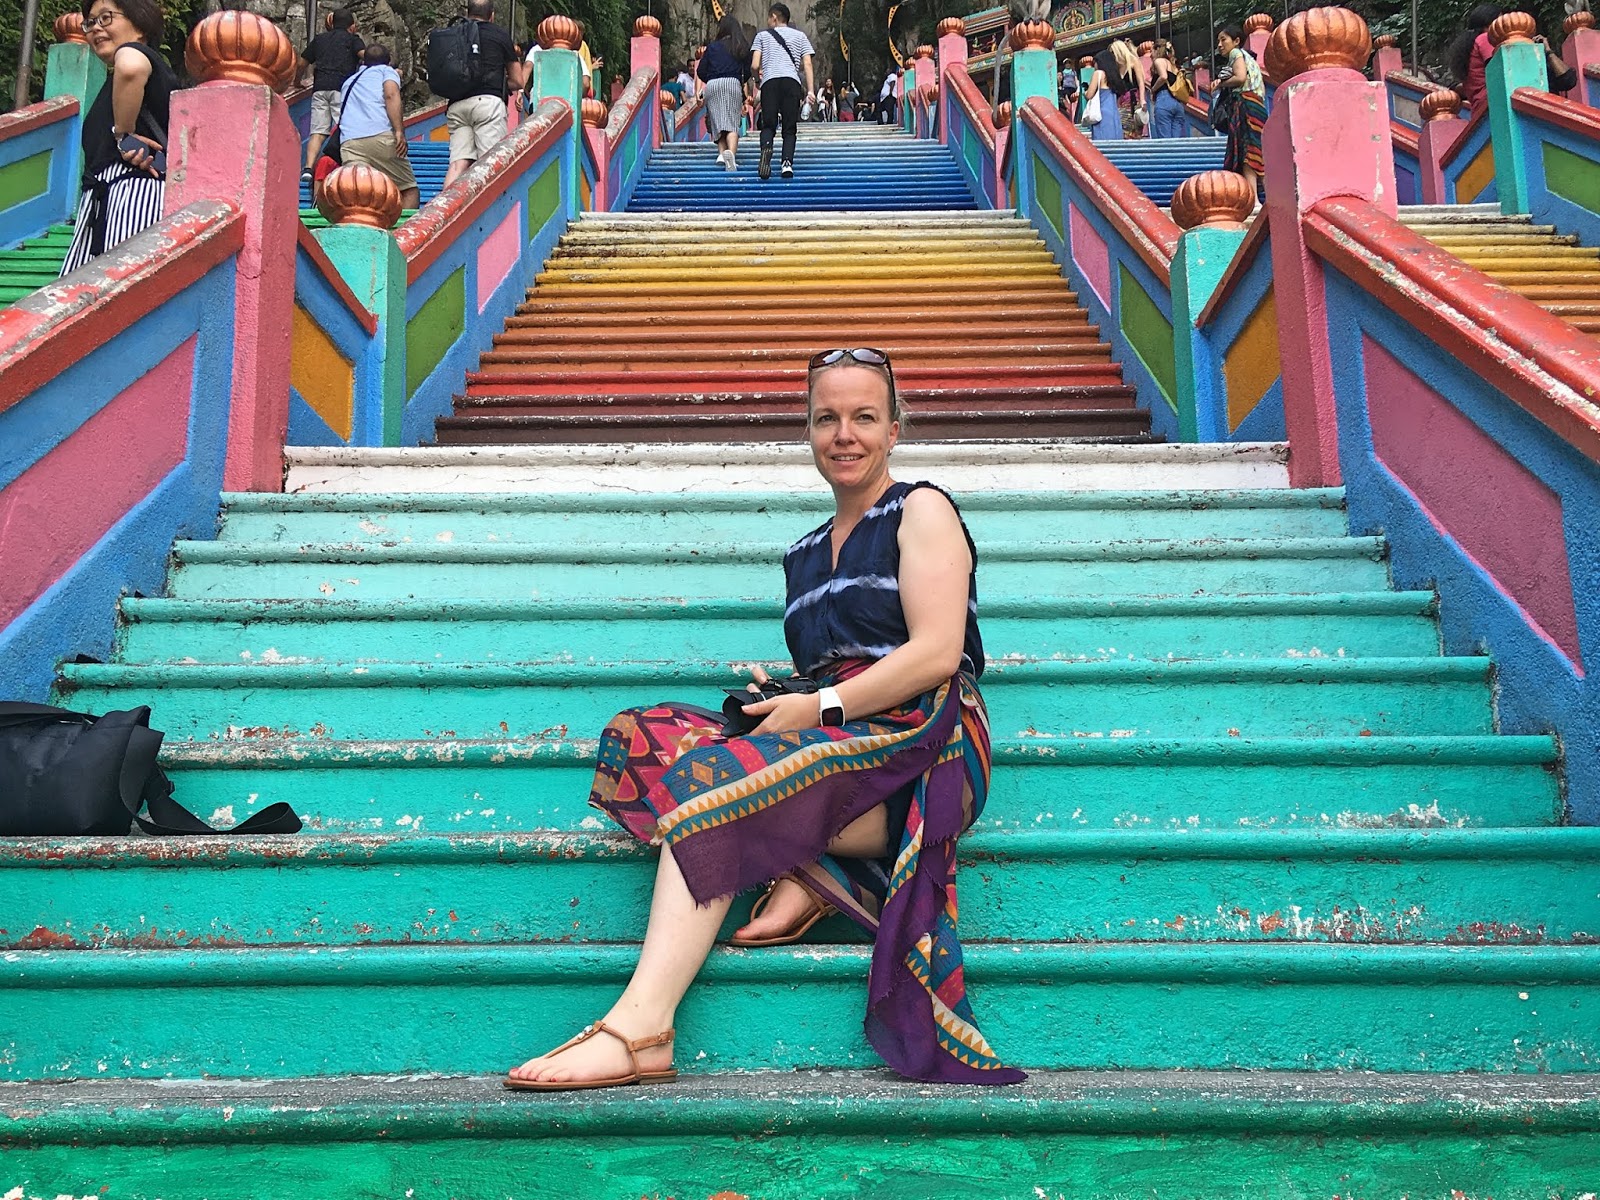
811	79
934	566
397	118
130	71
1237	74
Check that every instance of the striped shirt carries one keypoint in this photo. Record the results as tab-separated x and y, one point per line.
853	610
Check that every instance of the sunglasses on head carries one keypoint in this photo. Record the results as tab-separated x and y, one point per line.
865	355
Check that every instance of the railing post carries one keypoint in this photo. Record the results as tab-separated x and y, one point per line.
1441	126
925	74
232	138
646	56
594	115
952	52
363	205
72	69
1581	50
1327	136
1518	62
1386	57
1211	208
558	75
1033	73
1257	35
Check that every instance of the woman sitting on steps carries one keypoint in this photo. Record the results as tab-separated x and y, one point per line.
852	798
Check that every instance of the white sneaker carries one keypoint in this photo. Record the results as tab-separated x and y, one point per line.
729	161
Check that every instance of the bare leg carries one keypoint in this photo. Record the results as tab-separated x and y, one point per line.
865	837
679	936
314	148
733	143
410	198
458	168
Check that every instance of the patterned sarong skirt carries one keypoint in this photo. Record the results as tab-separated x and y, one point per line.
738	812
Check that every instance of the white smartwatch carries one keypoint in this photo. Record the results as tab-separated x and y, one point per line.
830	711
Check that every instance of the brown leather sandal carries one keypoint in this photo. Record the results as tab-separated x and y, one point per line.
584	1085
788	938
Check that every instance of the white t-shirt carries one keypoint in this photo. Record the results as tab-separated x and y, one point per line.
776	61
538	49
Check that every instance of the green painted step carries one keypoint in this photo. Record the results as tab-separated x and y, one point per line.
641	570
1523	886
401	518
33	264
1306	698
1045	784
459	1009
845	1135
1347	625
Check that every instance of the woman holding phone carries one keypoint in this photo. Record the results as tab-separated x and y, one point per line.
125	129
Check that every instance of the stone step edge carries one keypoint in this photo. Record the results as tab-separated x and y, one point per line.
314	753
554	846
750	500
221	551
712	675
422	966
978	452
155	609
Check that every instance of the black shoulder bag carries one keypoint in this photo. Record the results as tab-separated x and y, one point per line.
67	774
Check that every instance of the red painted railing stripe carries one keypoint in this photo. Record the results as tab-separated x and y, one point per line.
1553	110
1242	258
1547	366
44	333
36	116
1130	212
640	87
1459	146
313	248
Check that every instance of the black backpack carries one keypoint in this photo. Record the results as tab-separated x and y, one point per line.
454	57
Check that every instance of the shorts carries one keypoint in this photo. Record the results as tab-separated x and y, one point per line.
324	112
476	126
378	152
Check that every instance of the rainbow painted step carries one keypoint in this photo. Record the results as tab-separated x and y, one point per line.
34	263
1157	166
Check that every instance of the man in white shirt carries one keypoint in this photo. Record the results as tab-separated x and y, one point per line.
778	56
372	123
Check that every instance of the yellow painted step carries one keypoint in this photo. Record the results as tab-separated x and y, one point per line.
796	293
853	274
600	263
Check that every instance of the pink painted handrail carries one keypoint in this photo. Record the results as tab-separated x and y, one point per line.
1460	143
437	223
1242	258
1547	366
47	331
1151	233
640	87
335	281
1554	110
967	95
37	116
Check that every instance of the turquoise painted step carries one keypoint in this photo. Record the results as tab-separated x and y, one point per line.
471	1009
1523	886
561	570
1068	1134
767	516
1381	624
1079	784
1314	697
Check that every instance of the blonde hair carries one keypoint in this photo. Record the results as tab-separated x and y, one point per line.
1127	59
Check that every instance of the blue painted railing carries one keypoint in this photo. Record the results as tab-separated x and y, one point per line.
113	433
1238	383
1560	162
337	371
628	137
1468	166
972	136
38	149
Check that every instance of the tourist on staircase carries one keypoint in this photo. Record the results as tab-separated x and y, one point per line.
888	107
830	793
125	131
1469	56
477	120
1116	74
725	69
1240	81
334	55
1167	119
848	96
778	56
372	126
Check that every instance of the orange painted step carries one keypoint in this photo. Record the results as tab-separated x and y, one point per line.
741	359
510	379
950	304
714	344
1100	396
949	321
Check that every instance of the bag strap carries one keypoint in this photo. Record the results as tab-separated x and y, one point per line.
793	57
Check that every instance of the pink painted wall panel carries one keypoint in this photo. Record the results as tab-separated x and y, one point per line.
1496	511
498	254
59	508
1090	254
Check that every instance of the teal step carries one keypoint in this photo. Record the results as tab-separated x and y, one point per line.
400	518
1074	1134
563	570
472	1009
1350	625
1079	784
1305	698
1479	886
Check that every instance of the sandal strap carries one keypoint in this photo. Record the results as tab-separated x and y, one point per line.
631	1046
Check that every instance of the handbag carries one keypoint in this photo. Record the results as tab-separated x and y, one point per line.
333	144
67	774
738	722
1181	88
1091	109
1223	101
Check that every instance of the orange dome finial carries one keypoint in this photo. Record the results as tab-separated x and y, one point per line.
240	47
1213	199
356	194
1318	39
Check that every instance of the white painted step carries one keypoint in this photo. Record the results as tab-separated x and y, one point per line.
624	468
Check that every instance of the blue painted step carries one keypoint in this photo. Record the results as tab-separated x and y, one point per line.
429	161
1157	166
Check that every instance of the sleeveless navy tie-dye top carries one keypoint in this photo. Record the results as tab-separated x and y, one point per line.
853	611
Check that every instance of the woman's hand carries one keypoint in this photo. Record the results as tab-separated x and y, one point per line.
783	714
142	157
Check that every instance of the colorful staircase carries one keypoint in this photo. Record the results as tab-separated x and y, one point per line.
680	327
429	162
34	263
1156	166
855	167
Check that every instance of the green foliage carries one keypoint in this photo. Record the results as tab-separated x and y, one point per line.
607	28
11	41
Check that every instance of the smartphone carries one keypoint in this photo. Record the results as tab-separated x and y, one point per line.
158	158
